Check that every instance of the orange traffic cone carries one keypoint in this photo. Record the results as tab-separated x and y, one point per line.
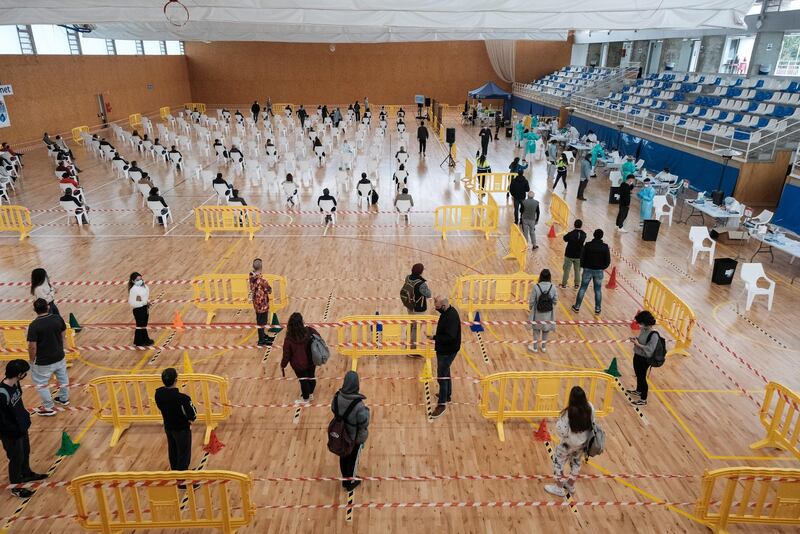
612	280
542	434
214	444
177	322
634	325
552	233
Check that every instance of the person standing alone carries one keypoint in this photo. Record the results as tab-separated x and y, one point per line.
415	294
348	406
586	172
518	188
625	189
46	354
447	343
178	412
486	135
259	292
422	137
255	109
528	217
139	301
297	353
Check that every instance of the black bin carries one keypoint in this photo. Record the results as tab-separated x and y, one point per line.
650	229
613	197
724	269
508	133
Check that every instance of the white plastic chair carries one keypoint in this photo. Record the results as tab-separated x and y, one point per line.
751	273
290	192
364	193
72	211
570	159
698	235
402	158
403	210
175	158
327	210
223	193
254	169
144	190
763	218
156	207
662	207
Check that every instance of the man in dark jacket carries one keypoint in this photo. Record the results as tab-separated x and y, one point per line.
422	137
255	109
14	424
486	135
528	217
596	257
356	425
418	297
572	255
625	189
178	413
447	344
518	188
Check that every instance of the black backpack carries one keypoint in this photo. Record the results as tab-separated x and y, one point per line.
544	303
339	441
659	355
409	296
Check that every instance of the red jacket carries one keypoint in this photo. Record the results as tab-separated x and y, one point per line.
298	353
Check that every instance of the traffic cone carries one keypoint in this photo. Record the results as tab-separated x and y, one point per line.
276	324
612	280
187	363
214	444
634	325
177	322
612	369
68	448
542	434
477	327
73	323
552	233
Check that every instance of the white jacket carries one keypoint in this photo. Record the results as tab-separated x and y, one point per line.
140	292
45	291
573	440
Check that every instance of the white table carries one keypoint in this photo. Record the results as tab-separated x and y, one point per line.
699	209
769	241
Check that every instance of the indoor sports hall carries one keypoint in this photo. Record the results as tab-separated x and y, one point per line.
426	266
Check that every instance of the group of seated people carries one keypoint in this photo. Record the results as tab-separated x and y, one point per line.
10	166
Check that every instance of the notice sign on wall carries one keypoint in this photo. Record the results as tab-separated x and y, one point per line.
6	90
5	120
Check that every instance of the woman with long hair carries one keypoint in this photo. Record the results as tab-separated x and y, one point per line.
139	301
542	306
574	428
297	353
41	289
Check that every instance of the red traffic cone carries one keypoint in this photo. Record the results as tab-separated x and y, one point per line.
542	434
634	325
612	280
552	233
177	322
214	444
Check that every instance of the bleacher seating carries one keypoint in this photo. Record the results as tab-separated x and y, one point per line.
563	83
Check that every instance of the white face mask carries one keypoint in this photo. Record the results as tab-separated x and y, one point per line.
139	282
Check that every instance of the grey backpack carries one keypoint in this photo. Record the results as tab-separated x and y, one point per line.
597	441
319	350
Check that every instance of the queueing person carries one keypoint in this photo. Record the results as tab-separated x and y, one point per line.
46	352
42	289
297	353
542	305
14	424
422	137
260	291
139	301
643	347
595	258
573	252
447	343
625	189
178	413
574	430
414	295
586	172
518	188
529	218
485	135
348	403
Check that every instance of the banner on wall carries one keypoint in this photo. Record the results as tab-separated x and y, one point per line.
5	120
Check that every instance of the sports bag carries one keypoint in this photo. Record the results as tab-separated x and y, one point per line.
339	441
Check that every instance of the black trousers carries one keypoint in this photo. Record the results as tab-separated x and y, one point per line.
141	315
517	205
307	387
422	145
561	175
54	309
18	451
484	147
348	464
640	367
179	445
582	187
262	320
622	215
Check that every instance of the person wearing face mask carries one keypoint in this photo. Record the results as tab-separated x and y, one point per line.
139	300
447	343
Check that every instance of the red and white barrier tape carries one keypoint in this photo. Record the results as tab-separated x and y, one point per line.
471	504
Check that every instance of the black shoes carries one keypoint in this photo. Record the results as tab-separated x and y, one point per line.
438	411
350	485
34	477
22	493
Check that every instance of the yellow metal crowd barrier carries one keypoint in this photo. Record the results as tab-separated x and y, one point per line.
164	112
478	217
191	106
453	151
751	495
492	182
14	343
16	219
675	315
373	335
541	394
484	292
517	247
559	213
780	415
212	292
76	133
135	120
469	172
126	399
115	502
212	219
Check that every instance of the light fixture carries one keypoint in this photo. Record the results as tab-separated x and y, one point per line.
176	13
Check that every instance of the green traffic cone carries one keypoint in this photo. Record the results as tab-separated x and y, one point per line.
612	369
276	324
74	324
68	448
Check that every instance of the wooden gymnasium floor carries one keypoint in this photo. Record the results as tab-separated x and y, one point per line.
698	417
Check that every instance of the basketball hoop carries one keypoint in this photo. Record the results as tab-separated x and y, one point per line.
176	13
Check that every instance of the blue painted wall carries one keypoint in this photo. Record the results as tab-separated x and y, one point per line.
788	212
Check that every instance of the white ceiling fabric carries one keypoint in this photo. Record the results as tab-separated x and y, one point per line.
375	20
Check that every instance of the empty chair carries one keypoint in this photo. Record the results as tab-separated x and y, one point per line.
254	169
751	273
763	218
662	207
206	177
699	235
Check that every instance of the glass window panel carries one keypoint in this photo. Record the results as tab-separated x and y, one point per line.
50	39
125	47
174	48
9	42
93	46
152	48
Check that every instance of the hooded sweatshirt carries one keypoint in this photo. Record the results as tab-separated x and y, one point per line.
357	423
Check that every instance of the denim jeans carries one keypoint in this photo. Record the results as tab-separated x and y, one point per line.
443	363
40	376
595	276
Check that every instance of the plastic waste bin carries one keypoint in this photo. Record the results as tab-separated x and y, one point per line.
724	269
650	229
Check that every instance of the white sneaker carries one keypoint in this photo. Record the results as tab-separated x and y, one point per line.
555	490
533	348
300	401
544	349
623	231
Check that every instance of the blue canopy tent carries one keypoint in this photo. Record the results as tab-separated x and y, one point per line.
491	91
